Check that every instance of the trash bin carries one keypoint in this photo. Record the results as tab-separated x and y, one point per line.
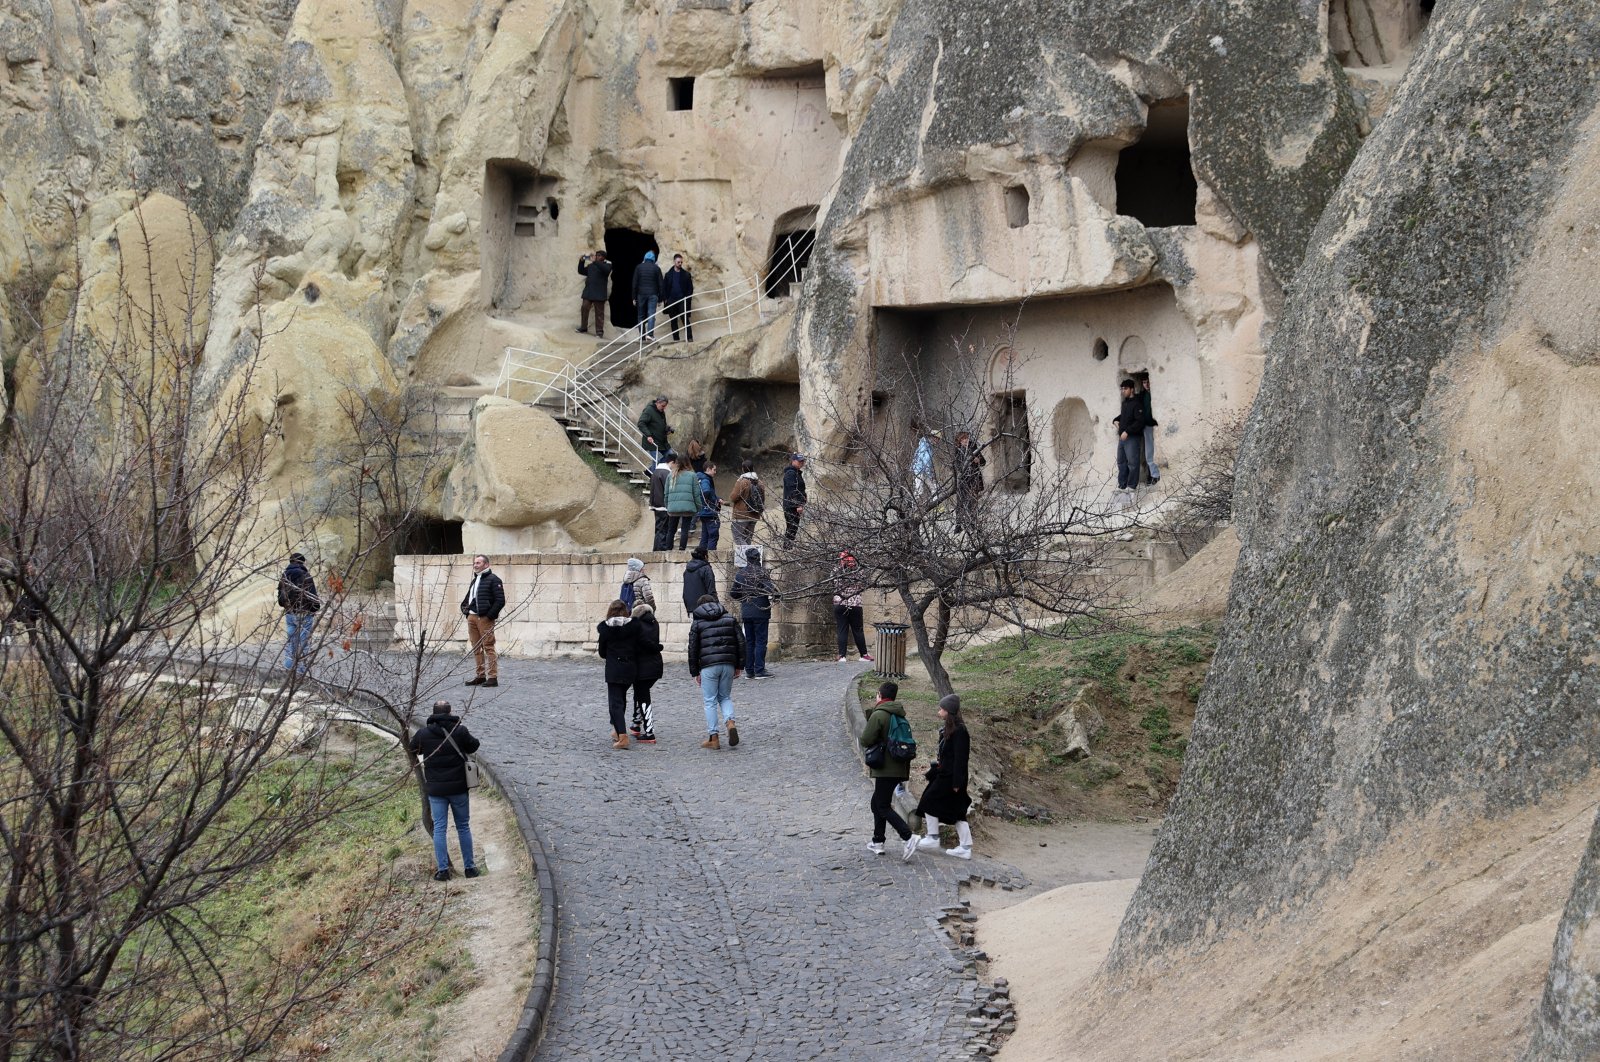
891	649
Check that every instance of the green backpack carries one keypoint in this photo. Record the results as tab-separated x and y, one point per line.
902	746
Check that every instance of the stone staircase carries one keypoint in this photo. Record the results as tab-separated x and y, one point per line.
632	465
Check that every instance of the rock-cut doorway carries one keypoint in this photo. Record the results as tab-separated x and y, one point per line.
626	249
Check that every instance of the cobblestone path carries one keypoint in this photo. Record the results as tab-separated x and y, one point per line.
723	905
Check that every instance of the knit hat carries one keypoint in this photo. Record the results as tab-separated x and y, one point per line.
649	256
951	703
753	553
635	564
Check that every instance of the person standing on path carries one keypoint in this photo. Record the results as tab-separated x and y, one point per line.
618	646
596	272
699	580
676	291
710	512
1150	425
486	596
794	497
945	799
647	294
683	488
1130	440
848	616
636	586
749	501
653	429
649	668
887	775
716	658
754	589
297	596
443	745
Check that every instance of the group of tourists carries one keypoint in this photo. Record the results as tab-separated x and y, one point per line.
889	749
1136	425
652	290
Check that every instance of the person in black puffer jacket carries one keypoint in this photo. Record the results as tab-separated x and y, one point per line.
699	580
443	745
619	647
716	657
648	669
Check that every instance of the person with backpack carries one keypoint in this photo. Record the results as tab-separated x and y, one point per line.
636	586
699	580
710	511
618	645
442	747
648	669
716	657
754	589
297	596
887	732
749	501
683	488
946	799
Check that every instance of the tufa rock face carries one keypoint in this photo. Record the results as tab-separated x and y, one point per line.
1411	621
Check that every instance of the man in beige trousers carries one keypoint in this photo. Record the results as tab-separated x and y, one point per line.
486	596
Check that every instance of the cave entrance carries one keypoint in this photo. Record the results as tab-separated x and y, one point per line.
1013	444
1155	178
433	538
626	249
793	236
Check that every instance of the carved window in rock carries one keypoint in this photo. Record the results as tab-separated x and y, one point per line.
1074	432
680	93
1155	178
1017	206
793	236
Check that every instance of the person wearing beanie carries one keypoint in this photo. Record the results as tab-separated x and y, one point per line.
443	745
699	580
297	596
647	284
636	586
946	799
754	589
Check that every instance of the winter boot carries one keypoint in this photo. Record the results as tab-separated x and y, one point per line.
712	742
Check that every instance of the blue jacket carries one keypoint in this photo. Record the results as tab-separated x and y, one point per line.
710	504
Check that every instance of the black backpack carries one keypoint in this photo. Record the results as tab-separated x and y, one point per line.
757	498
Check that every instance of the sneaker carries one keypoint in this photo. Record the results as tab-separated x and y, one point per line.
1126	536
844	660
960	852
763	675
733	734
646	739
928	842
636	730
875	847
910	849
581	331
491	683
472	872
480	680
441	875
901	791
867	658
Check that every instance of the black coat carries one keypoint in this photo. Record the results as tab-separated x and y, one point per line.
946	798
646	280
297	591
649	663
794	487
1131	419
699	578
715	637
444	770
754	589
619	647
677	286
596	274
491	596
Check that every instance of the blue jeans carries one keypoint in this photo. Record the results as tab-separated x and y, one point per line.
710	532
296	647
1150	453
716	687
442	808
646	305
755	645
1130	455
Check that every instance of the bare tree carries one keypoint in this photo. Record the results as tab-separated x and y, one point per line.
1201	499
940	496
136	786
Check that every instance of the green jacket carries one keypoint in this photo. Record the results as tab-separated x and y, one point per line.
878	730
683	493
653	422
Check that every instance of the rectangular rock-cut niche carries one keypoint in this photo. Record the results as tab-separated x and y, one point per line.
1017	206
793	236
1364	33
680	93
521	215
1156	185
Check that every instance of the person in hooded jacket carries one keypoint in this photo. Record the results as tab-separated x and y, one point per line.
710	512
297	596
636	585
716	658
888	775
648	669
618	646
946	798
443	745
647	294
699	580
754	589
749	502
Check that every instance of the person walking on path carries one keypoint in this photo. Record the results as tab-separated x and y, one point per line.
676	291
754	589
682	502
945	799
890	773
486	596
716	658
653	429
699	580
658	499
443	745
1130	440
794	497
636	586
1150	425
596	272
297	596
848	617
749	501
710	512
618	646
649	667
647	294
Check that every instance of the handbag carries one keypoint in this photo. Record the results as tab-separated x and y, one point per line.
875	754
468	764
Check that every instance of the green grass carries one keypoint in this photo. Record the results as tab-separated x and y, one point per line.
606	473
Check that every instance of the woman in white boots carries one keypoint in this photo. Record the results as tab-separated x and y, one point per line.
945	799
